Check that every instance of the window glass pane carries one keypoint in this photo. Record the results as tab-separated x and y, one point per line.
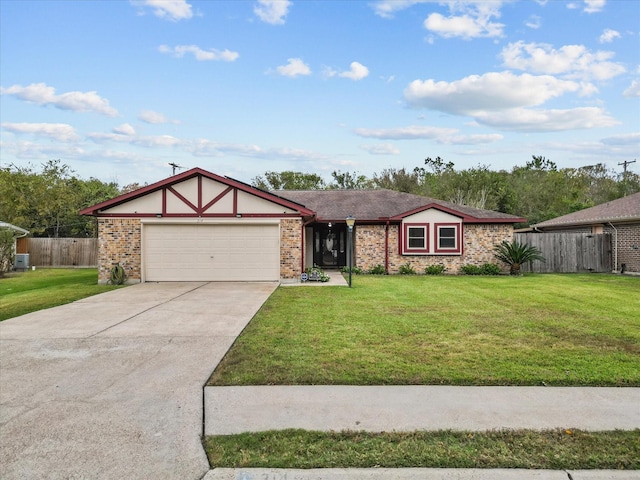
447	237
416	237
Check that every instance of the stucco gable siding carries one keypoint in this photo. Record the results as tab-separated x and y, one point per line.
251	204
150	203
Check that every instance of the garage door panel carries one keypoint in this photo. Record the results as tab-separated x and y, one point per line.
211	252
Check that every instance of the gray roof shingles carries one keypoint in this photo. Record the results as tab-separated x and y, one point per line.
625	209
379	204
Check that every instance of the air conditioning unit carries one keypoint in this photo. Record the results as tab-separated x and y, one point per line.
21	262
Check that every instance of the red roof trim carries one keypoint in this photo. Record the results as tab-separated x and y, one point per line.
194	172
465	218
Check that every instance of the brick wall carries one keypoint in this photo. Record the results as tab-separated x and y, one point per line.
119	242
290	248
628	245
478	243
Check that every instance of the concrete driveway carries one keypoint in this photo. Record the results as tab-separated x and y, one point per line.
111	386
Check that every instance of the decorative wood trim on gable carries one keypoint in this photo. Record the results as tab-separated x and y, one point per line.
178	199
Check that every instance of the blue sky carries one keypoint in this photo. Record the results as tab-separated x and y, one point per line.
118	89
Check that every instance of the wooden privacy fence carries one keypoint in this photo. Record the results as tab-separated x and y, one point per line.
60	252
569	252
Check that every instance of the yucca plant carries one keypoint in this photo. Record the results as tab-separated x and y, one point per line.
515	254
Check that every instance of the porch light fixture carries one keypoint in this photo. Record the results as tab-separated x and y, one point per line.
351	221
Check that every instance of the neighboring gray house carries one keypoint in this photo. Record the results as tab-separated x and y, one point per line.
620	218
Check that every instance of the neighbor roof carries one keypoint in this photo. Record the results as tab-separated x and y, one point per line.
381	204
625	209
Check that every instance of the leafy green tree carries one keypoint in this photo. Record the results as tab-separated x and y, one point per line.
289	180
349	181
400	180
515	254
47	202
7	253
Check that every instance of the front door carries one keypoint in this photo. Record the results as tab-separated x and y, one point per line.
330	245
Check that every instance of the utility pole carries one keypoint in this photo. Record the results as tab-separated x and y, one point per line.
624	166
175	165
624	173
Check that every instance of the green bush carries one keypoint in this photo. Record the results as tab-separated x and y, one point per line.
354	270
471	269
117	275
490	269
378	270
435	270
407	269
486	269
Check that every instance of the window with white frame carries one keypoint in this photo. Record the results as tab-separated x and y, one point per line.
447	238
416	238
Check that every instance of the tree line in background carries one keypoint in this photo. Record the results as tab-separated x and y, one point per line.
47	202
537	191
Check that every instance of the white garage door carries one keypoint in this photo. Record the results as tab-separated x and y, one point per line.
177	252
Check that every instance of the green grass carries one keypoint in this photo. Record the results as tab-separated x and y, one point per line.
30	291
550	449
455	330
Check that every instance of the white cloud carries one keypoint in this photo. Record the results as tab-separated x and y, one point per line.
61	132
173	10
493	91
529	120
381	149
387	8
475	139
294	68
594	6
624	139
141	141
356	72
412	132
124	129
272	11
201	55
149	116
534	22
609	35
571	61
41	94
468	20
633	90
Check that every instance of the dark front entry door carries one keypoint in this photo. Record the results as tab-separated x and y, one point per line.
330	245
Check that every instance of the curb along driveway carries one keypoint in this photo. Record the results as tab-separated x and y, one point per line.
111	386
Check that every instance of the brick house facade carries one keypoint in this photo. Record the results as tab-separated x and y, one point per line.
478	243
198	226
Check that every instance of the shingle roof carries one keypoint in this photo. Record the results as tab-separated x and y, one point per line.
625	209
379	204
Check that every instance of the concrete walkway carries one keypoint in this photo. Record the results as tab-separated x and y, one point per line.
110	387
415	474
230	410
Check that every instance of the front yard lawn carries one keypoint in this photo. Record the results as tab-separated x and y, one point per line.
27	292
403	330
550	449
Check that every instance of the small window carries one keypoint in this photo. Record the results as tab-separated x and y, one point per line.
416	238
448	238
